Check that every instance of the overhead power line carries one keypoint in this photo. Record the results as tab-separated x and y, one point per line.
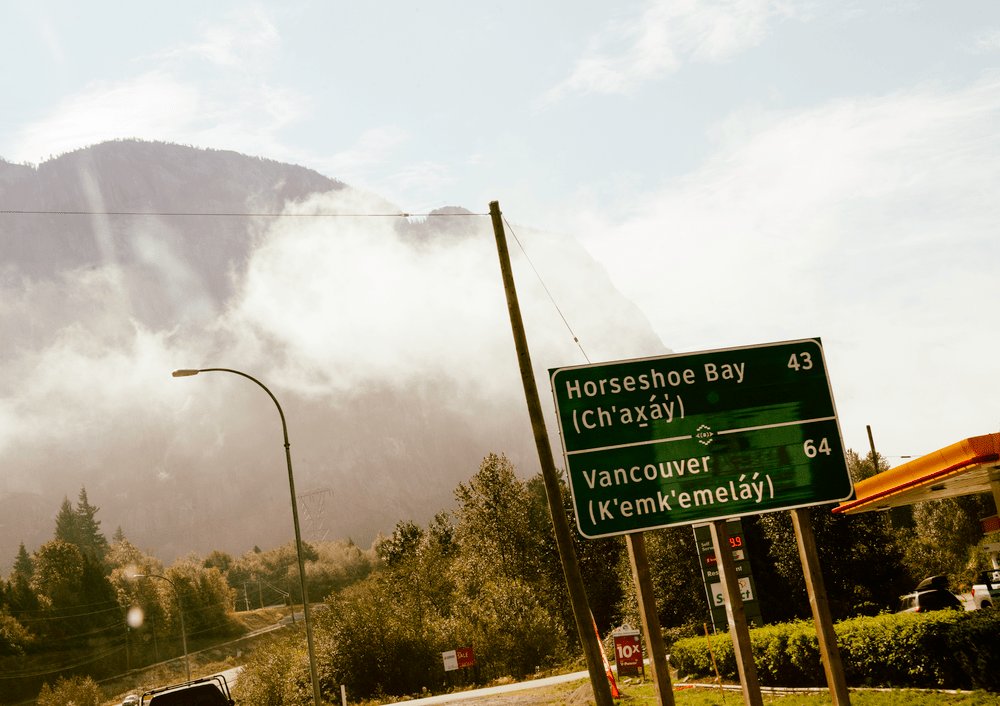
263	214
230	214
53	669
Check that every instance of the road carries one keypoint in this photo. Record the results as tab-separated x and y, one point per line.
506	689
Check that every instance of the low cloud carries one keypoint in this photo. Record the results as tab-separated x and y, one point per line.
372	148
870	222
241	41
665	36
358	301
385	338
211	92
987	41
154	105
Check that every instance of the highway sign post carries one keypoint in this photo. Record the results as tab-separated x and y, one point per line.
678	439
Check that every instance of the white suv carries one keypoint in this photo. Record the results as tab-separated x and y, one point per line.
986	593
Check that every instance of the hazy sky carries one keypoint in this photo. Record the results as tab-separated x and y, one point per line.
747	171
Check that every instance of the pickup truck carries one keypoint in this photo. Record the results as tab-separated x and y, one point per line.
986	593
207	691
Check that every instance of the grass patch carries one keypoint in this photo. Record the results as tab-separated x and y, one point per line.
642	694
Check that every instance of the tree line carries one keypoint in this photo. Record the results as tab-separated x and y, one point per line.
485	574
81	605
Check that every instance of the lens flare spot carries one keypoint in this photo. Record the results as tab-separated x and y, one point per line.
135	617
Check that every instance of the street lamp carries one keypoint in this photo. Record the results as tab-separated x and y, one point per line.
295	517
180	612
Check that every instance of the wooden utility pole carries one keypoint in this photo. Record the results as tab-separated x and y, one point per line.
636	543
564	540
828	651
871	443
739	632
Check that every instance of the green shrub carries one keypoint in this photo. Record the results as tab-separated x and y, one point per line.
942	649
79	691
975	650
269	675
774	647
13	636
701	656
803	655
899	650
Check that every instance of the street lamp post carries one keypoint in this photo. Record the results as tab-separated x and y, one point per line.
180	612
295	518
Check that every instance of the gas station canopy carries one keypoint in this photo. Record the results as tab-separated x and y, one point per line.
964	468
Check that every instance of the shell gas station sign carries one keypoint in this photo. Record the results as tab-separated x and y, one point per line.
628	652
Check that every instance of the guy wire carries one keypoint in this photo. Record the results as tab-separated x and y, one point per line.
547	292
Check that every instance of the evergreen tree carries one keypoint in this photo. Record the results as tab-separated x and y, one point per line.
20	597
67	529
90	540
24	567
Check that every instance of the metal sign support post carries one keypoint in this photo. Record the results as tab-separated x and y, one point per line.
564	540
828	651
650	619
738	630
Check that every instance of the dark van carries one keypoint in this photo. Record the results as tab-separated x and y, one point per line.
208	691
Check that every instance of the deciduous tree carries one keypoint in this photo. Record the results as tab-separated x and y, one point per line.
75	691
862	563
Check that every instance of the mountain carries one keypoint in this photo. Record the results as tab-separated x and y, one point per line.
384	337
146	177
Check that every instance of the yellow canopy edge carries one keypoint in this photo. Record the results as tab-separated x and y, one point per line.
962	468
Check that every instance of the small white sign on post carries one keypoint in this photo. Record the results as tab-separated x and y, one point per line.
450	660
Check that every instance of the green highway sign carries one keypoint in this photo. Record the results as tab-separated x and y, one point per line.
678	439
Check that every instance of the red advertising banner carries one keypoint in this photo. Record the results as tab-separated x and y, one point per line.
628	654
458	659
464	657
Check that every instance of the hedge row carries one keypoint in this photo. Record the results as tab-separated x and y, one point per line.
944	649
